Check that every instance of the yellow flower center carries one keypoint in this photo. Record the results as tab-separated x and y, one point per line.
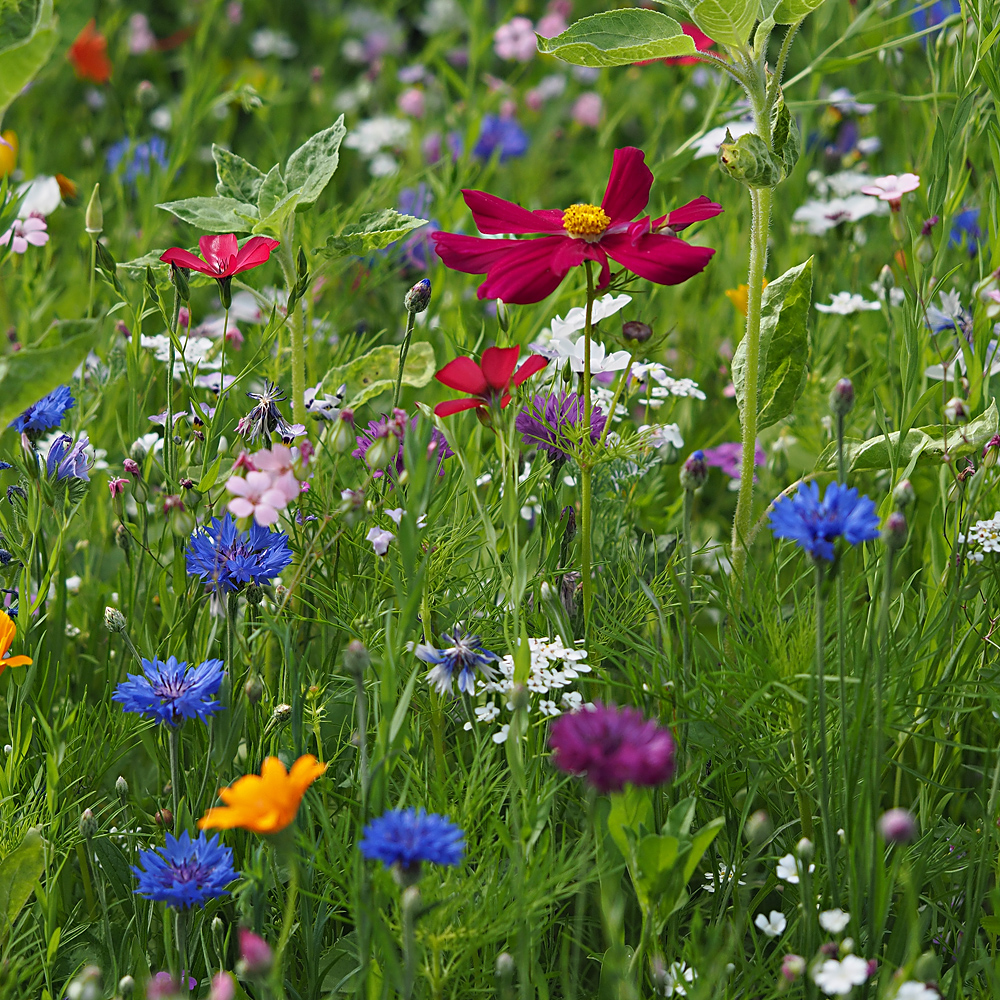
585	222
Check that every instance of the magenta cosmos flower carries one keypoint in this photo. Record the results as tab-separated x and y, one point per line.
223	255
612	747
526	271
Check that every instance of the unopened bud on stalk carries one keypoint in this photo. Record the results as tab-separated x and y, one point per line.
904	494
253	689
639	332
956	411
758	827
282	713
93	219
255	953
126	987
792	968
131	466
418	297
897	826
382	450
114	620
121	789
254	594
804	849
178	278
842	397
990	451
503	315
88	824
886	279
505	966
163	817
694	472
342	438
356	659
894	532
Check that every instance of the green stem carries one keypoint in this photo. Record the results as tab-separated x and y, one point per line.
825	805
586	468
404	349
760	200
291	902
410	904
182	969
688	569
841	623
93	272
173	741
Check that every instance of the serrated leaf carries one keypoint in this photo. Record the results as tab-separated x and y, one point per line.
376	371
790	11
784	346
29	374
214	215
274	223
137	268
238	178
311	166
618	38
374	231
19	872
20	62
726	21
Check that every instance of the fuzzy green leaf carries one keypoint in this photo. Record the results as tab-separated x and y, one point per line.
21	61
376	371
618	38
214	215
790	11
272	189
238	178
374	231
726	21
311	166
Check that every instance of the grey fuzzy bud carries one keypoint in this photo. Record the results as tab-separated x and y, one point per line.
254	594
114	620
356	659
842	397
253	689
804	849
639	332
88	824
121	789
418	297
758	827
126	987
282	713
505	965
897	826
904	494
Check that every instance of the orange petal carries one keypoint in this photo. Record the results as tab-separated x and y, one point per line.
7	632
15	661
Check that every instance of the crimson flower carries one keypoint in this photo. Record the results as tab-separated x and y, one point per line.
701	43
89	54
488	381
223	255
526	271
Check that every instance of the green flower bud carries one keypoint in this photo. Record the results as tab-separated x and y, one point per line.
418	297
88	824
749	161
114	620
121	789
93	219
356	659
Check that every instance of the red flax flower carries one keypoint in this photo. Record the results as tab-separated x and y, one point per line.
487	382
89	55
224	257
526	271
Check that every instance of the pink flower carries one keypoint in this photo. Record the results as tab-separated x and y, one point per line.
587	109
255	952
411	102
380	539
526	271
892	187
31	230
117	486
223	987
224	257
516	40
257	495
140	37
551	24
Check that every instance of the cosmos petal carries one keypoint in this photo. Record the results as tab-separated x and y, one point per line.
628	187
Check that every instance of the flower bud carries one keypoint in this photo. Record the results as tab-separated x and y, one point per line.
804	849
904	494
93	219
88	824
341	438
505	966
503	315
886	278
255	953
114	620
223	987
86	986
146	94
639	332
894	532
990	450
758	827
131	466
897	826
121	789
924	249
253	689
382	450
842	397
164	818
356	659
255	595
282	713
218	930
694	472
122	538
792	967
418	297
126	987
956	411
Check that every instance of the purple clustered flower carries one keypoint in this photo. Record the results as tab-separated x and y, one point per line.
172	692
395	424
613	747
729	457
814	524
553	422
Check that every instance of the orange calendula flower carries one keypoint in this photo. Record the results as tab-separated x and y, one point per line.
89	55
67	188
738	296
8	152
264	803
7	632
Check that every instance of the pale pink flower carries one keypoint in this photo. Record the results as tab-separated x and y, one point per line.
587	109
411	102
140	37
892	187
516	40
552	24
277	459
32	230
256	496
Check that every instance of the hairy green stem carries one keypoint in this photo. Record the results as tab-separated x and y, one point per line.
688	553
586	468
291	902
93	272
296	330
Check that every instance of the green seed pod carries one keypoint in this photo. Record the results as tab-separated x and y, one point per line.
749	161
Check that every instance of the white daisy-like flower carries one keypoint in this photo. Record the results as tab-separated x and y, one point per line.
772	925
847	303
576	318
500	736
839	978
709	143
676	979
789	869
818	217
834	921
375	134
912	989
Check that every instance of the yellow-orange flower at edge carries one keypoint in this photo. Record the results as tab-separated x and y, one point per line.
7	633
264	803
739	295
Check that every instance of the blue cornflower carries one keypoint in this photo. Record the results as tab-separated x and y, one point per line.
965	229
68	459
185	872
500	133
172	692
143	156
815	524
46	413
228	559
466	654
405	837
926	16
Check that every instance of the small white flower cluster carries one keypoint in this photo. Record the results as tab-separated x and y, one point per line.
839	978
197	352
554	666
982	537
722	878
667	384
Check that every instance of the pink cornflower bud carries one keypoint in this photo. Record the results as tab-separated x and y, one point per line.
990	451
894	532
255	953
131	466
172	502
897	826
842	397
184	317
694	471
792	967
117	486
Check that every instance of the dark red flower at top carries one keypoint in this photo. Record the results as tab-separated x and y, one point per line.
89	54
488	382
701	43
223	255
525	271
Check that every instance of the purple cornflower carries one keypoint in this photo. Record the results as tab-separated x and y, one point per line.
228	559
816	524
613	747
172	692
68	460
897	826
729	457
503	134
554	422
465	655
405	838
185	872
376	451
46	413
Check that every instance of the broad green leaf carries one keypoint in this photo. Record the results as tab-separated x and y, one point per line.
790	11
311	166
272	189
21	61
137	268
274	221
619	37
632	810
19	872
27	375
784	346
874	454
679	819
214	215
376	371
374	231
700	843
238	178
657	855
726	21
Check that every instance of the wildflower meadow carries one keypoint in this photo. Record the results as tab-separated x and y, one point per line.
499	500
